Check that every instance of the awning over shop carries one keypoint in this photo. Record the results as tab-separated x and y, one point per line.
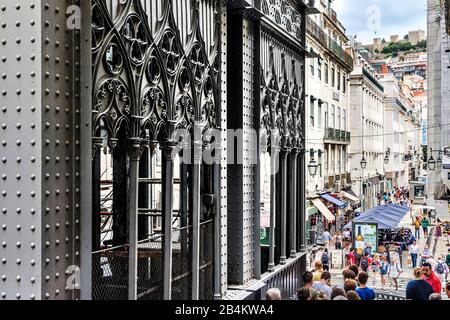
330	198
323	209
389	216
349	196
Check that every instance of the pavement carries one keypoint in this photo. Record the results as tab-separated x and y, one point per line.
438	246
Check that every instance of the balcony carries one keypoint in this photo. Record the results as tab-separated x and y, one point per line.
331	15
315	31
396	101
336	136
372	79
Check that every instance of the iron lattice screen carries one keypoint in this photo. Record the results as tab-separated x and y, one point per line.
182	263
150	268
206	289
110	274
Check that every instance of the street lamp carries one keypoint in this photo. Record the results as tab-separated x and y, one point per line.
312	166
439	161
363	162
431	163
386	158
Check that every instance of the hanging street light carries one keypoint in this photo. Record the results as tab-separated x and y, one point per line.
363	162
439	160
386	158
312	166
431	163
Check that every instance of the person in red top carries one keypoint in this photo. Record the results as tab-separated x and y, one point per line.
351	257
431	278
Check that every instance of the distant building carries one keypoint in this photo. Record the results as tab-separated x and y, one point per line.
395	38
416	36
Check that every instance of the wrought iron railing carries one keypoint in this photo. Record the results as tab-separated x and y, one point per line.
394	100
317	33
288	280
337	135
372	79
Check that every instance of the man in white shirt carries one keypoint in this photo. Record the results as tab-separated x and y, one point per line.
414	252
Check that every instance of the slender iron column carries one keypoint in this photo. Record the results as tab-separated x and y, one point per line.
196	194
217	228
134	153
273	203
167	205
293	194
302	204
284	157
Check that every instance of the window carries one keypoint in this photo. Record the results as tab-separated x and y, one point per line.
326	160
338	80
339	155
320	162
319	69
326	73
344	83
344	119
338	118
319	114
332	116
326	115
332	77
311	111
312	67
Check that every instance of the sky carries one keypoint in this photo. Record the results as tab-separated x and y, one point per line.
370	19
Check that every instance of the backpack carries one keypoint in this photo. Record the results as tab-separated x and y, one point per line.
440	268
325	258
364	264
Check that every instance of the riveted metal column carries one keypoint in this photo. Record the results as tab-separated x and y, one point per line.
86	209
293	198
273	204
196	193
134	154
284	158
217	226
167	205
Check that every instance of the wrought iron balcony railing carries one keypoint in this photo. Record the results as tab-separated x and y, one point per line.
396	101
372	79
336	135
313	29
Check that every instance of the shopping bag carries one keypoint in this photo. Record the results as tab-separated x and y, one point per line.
409	261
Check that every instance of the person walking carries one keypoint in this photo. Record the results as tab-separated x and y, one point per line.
431	278
338	241
318	269
325	260
375	266
324	284
418	289
438	229
394	271
441	270
347	239
351	257
364	292
425	255
383	270
417	225
326	238
425	223
414	252
365	262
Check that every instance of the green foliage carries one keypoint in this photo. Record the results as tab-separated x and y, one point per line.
395	48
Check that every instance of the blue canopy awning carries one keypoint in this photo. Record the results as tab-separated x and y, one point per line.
387	216
330	198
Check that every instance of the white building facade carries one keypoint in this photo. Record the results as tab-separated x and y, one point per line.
327	103
367	127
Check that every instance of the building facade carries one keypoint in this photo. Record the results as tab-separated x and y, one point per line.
327	101
134	135
367	127
438	42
